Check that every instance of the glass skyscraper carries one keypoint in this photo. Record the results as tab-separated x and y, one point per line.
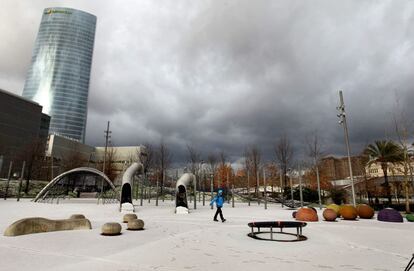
58	77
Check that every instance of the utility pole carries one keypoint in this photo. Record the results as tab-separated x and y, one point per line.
342	121
107	138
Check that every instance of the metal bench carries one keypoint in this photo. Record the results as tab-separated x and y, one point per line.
410	264
277	225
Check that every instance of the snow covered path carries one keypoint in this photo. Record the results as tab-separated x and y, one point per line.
195	242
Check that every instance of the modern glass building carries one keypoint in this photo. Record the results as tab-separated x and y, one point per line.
58	77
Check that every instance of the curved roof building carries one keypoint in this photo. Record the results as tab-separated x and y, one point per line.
58	77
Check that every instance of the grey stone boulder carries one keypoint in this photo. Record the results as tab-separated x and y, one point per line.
111	228
39	224
128	217
77	216
136	225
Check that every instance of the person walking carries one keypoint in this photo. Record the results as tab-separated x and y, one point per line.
219	200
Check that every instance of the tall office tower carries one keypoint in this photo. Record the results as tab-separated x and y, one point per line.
58	77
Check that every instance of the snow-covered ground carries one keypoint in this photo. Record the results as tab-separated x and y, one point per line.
196	242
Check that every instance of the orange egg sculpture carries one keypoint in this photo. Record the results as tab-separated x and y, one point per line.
365	211
306	214
348	212
329	215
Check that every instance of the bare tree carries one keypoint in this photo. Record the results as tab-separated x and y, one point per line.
315	153
212	162
252	160
222	158
284	155
402	131
149	162
110	167
163	160
194	159
73	159
34	155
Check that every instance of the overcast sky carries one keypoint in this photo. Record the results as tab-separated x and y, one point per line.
220	75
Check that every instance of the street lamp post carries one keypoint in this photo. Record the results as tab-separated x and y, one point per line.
342	120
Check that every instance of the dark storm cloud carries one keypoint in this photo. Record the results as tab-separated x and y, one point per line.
221	75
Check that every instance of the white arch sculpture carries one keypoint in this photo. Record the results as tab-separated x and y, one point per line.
79	169
181	203
126	190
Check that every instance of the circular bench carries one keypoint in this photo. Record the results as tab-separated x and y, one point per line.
278	225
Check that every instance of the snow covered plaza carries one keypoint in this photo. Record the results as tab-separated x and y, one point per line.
195	242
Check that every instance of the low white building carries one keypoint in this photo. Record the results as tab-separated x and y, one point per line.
63	148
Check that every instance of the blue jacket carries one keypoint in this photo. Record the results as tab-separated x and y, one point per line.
219	200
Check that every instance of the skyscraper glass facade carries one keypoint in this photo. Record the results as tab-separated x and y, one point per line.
58	77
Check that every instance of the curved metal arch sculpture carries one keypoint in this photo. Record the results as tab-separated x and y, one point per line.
181	190
75	170
126	190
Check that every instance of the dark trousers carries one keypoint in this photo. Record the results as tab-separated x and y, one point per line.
219	212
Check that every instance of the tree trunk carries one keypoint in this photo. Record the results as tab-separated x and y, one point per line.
29	176
407	199
406	188
386	183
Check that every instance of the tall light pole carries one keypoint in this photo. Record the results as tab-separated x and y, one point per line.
342	120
